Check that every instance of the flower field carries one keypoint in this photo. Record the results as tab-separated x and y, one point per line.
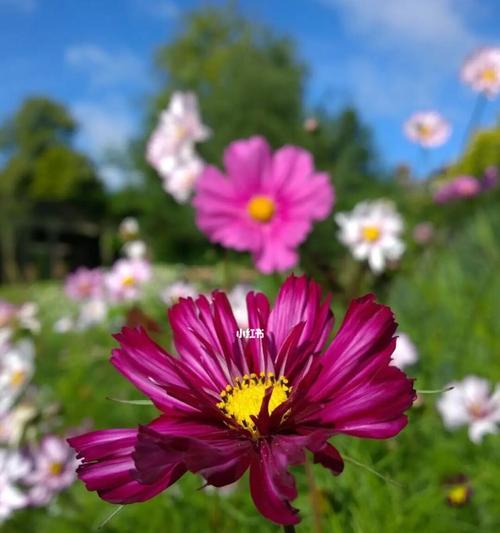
263	327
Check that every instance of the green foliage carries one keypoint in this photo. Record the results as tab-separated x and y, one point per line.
482	152
41	165
59	174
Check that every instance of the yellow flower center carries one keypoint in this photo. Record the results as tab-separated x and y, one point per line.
128	281
424	131
458	495
489	75
244	399
370	233
261	208
17	378
55	469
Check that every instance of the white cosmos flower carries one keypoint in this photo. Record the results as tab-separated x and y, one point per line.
170	150
181	180
136	249
471	403
91	313
64	324
129	228
427	128
179	289
372	232
405	353
13	467
481	70
16	369
12	423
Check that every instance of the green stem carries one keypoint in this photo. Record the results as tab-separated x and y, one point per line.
289	529
474	120
314	496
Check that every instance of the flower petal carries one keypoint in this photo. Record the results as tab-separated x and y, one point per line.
108	467
271	485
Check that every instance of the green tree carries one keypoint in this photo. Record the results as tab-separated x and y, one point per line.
41	173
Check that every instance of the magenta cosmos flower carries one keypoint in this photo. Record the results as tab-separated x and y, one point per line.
266	204
229	405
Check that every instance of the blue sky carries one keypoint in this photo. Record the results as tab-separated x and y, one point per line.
387	57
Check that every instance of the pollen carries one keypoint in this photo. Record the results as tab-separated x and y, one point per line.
458	495
55	469
489	75
128	281
243	399
261	208
17	378
370	233
424	131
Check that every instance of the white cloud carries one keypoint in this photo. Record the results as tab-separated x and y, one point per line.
24	6
105	129
440	26
103	126
105	68
161	9
405	51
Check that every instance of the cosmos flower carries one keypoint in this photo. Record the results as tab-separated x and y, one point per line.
179	289
14	317
458	490
126	278
457	188
182	178
91	313
405	353
16	369
481	71
53	469
423	232
13	423
84	284
471	403
428	129
266	204
228	405
170	149
136	249
13	466
372	232
128	229
311	124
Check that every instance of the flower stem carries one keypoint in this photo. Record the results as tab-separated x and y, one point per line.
314	496
289	529
474	120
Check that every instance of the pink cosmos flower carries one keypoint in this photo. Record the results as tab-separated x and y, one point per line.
459	187
53	470
266	204
228	405
481	70
84	284
428	129
126	278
